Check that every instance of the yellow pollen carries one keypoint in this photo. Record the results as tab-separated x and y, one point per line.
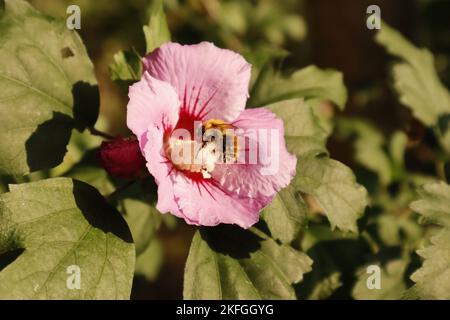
202	156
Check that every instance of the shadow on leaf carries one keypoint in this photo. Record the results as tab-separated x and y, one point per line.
9	257
98	212
337	260
46	147
86	102
231	240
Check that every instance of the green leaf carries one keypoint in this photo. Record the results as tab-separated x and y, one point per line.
324	114
321	233
59	223
415	77
397	230
48	88
286	215
434	204
432	278
443	131
137	203
368	146
308	83
87	172
447	170
302	131
157	31
3	186
334	187
81	144
149	262
170	221
336	254
230	263
261	60
324	279
143	219
397	147
392	281
126	68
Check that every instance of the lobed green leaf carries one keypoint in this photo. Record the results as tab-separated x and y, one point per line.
432	279
156	31
230	263
307	83
334	187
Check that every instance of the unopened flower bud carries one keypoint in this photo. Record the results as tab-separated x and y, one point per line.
122	158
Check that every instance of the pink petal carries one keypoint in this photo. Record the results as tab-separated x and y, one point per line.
153	109
211	82
152	102
161	169
207	204
253	180
198	203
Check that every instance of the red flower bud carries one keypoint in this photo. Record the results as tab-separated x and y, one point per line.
122	158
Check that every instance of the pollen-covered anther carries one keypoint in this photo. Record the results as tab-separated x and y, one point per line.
202	156
193	156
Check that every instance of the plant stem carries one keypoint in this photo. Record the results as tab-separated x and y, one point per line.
99	133
440	170
116	192
258	233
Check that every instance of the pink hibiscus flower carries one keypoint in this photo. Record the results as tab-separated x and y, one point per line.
202	86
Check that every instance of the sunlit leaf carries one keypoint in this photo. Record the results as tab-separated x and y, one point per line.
231	263
302	130
308	83
392	284
417	83
60	223
334	187
286	215
48	88
432	279
156	31
126	68
434	203
368	146
397	230
397	146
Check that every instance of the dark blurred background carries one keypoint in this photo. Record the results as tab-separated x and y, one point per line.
330	34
